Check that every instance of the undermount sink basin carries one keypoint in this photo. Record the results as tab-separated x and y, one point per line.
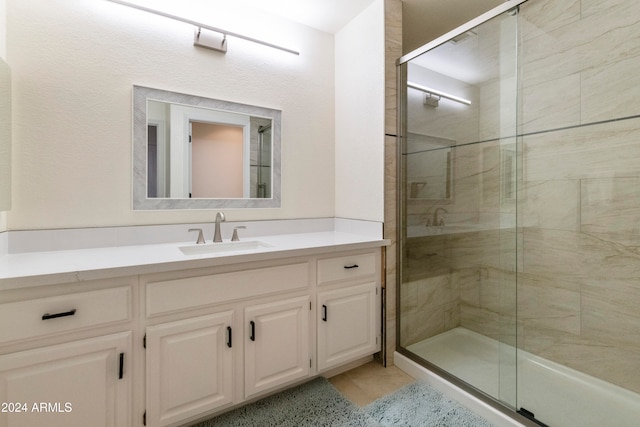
213	248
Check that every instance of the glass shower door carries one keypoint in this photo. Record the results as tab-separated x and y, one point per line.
579	210
459	171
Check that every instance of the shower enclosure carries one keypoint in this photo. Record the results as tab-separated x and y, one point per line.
519	246
261	158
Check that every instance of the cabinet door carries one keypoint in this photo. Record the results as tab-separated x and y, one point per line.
346	324
76	384
189	368
276	344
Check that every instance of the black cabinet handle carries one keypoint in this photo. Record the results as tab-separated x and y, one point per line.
121	371
229	337
252	337
48	316
324	312
348	267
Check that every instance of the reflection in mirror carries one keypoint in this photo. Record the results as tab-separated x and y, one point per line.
192	152
429	167
262	183
5	136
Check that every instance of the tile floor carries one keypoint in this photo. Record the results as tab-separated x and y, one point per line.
371	381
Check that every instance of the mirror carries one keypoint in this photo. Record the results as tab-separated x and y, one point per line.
192	152
5	136
429	167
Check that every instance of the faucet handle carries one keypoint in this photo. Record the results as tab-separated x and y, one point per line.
200	240
235	237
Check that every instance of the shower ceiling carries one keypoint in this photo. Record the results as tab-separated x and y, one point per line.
426	20
460	58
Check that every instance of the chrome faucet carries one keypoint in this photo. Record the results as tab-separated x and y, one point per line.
438	220
217	237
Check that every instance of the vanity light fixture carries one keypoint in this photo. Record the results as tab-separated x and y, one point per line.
206	40
210	40
437	94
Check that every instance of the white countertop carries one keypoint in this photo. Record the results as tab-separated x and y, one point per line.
66	266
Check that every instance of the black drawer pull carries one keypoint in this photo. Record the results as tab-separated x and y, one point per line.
348	267
48	316
324	312
252	337
229	337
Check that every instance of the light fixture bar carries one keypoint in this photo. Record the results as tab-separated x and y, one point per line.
205	26
439	93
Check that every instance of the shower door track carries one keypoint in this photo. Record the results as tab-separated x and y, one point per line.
509	411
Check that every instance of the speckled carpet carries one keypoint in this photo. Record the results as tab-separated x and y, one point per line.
317	404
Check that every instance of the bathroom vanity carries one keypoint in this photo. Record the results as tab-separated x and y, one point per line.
135	336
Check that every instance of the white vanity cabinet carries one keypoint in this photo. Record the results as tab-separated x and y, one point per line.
189	367
216	337
66	358
186	342
348	308
276	344
76	384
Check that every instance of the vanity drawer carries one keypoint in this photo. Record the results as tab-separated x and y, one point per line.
53	315
192	292
346	267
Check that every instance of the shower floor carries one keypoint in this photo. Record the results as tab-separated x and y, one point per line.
557	395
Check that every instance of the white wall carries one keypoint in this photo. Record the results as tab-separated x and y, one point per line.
360	108
74	64
3	55
3	29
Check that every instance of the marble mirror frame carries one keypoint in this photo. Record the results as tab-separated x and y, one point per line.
140	200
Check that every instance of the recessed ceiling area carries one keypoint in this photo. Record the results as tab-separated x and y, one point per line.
426	20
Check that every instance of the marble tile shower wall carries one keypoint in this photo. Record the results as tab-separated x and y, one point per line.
579	206
578	283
